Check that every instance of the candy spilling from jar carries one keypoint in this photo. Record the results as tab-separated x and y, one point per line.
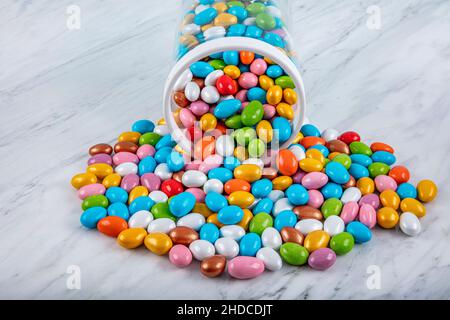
303	205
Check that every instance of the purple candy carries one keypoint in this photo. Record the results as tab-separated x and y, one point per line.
322	259
298	176
129	182
100	158
371	199
151	181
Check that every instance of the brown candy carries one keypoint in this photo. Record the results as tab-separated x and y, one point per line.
269	173
125	146
177	176
100	148
338	146
183	235
213	266
180	99
290	234
350	183
199	81
308	212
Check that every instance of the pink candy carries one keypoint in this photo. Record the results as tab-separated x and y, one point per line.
248	80
349	211
151	181
314	180
199	107
90	190
145	150
124	156
371	199
384	182
269	111
187	118
368	215
180	256
198	193
315	199
243	267
129	182
258	66
100	158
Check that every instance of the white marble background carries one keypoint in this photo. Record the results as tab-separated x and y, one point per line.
63	90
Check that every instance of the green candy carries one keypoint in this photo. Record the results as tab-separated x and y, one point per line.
331	207
327	161
343	159
252	113
254	8
285	82
234	122
294	254
149	138
360	148
235	4
161	210
265	21
97	200
256	148
260	222
217	64
378	169
244	135
342	243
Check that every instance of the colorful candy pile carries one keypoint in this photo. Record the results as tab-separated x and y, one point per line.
320	196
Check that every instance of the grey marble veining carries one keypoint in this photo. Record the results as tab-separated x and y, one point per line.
63	90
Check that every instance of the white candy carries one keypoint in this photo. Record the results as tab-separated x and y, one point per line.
270	257
273	11
214	33
351	194
161	129
298	152
193	179
191	28
250	21
256	161
281	205
211	78
162	171
271	238
232	231
202	249
334	225
192	91
140	219
227	247
410	224
213	185
126	168
163	225
210	94
306	226
183	80
225	145
201	8
158	196
330	134
275	195
228	97
192	220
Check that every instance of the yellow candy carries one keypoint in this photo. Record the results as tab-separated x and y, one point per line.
333	154
265	82
208	122
387	217
365	185
206	27
112	180
158	243
315	154
220	7
290	96
413	206
213	219
310	165
188	40
138	191
274	95
161	121
268	60
201	208
426	190
390	198
248	172
101	170
264	131
176	117
131	238
241	153
241	199
225	20
248	216
83	179
285	110
232	71
316	240
130	136
282	182
297	138
179	149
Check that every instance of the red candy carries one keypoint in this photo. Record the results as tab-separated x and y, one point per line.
171	187
400	174
226	86
349	137
380	146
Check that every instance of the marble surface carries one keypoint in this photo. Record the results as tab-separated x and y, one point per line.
63	90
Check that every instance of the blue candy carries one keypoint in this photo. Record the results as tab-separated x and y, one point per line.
331	190
205	17
239	12
165	141
182	204
209	232
406	190
309	130
359	231
253	32
286	218
215	201
227	108
274	39
358	171
92	216
116	194
231	57
282	129
249	244
262	188
119	209
147	165
143	126
175	161
263	205
361	159
217	55
231	163
257	93
201	69
274	71
230	215
222	174
337	172
162	154
322	149
243	67
384	157
236	30
297	194
141	203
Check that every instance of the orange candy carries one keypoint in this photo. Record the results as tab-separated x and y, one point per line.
287	162
308	142
204	147
112	225
246	57
380	146
400	174
236	185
